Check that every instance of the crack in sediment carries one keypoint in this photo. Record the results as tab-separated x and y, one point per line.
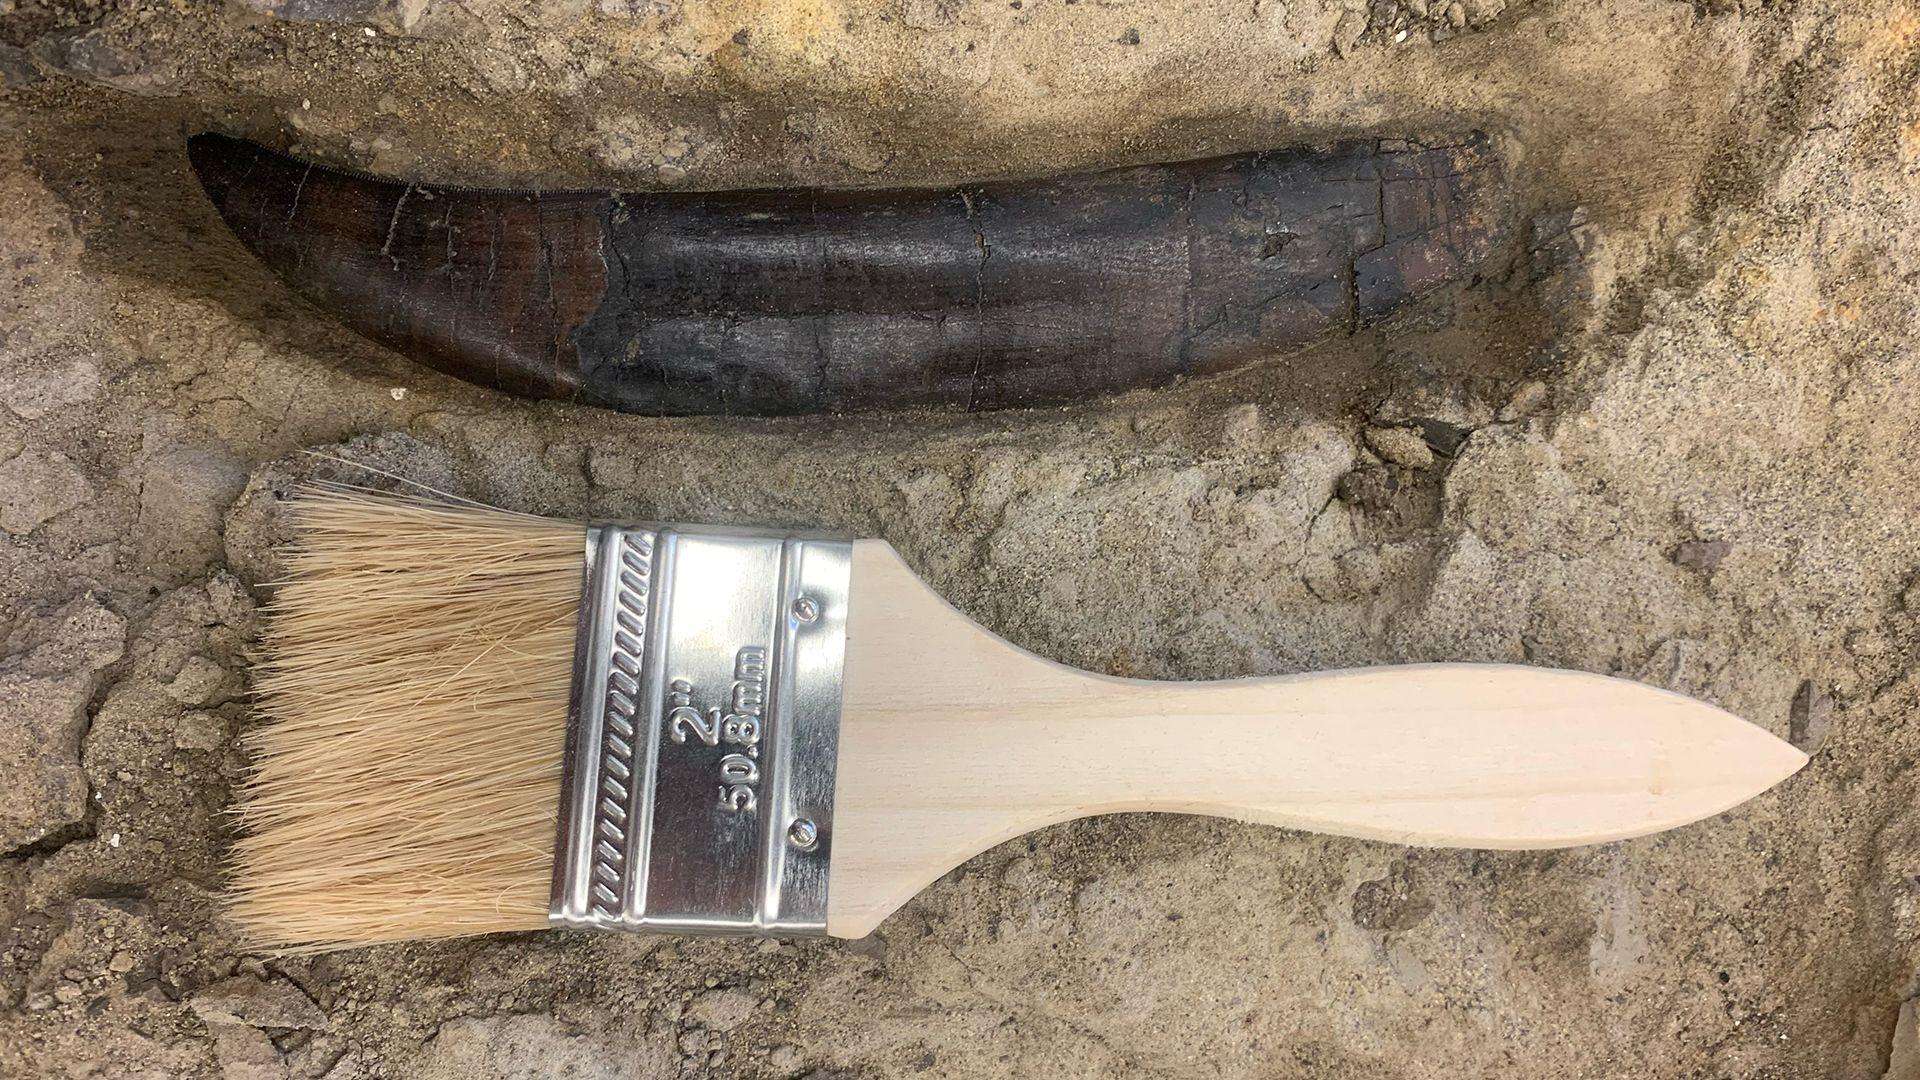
71	832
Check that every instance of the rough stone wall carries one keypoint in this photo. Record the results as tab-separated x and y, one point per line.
1672	442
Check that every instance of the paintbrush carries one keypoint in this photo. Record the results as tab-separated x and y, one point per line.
480	721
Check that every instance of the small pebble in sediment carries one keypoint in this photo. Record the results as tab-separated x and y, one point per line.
1401	446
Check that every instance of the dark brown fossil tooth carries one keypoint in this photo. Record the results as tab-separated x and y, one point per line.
796	301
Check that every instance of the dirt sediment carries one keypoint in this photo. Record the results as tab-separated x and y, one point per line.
1672	439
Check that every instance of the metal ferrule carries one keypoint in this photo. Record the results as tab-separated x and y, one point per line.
703	733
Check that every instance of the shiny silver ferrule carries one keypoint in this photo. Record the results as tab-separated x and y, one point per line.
703	733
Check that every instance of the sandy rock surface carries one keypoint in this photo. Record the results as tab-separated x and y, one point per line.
1673	438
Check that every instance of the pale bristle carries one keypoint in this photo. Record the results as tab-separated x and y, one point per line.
413	687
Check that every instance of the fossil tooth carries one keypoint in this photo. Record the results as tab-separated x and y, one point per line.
981	296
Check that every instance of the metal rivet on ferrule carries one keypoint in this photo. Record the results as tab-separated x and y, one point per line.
803	834
806	609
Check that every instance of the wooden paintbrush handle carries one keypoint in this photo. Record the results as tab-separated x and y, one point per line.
953	740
